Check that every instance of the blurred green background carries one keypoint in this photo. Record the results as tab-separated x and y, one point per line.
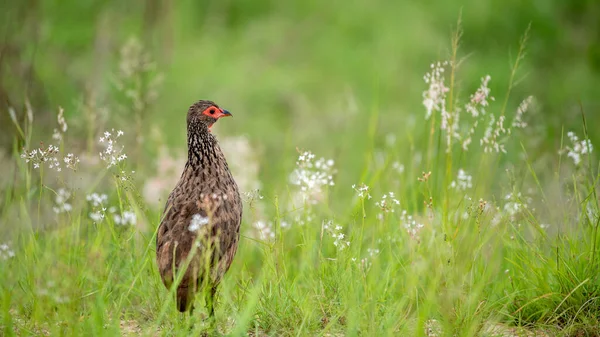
297	73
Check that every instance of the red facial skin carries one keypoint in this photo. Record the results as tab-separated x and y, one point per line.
216	113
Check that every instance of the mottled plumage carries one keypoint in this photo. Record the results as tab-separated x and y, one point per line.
206	190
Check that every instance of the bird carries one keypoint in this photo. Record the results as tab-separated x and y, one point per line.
199	232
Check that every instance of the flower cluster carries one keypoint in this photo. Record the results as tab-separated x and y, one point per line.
514	205
479	100
98	202
197	222
312	176
61	200
523	107
126	218
434	98
411	225
398	167
373	252
491	138
435	101
71	161
463	181
5	252
578	148
362	190
264	230
387	203
43	155
113	153
251	196
336	233
306	218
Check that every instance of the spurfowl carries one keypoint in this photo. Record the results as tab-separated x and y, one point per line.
200	230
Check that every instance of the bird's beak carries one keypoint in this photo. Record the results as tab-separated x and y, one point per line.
226	113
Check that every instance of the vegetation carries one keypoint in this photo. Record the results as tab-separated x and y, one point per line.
378	201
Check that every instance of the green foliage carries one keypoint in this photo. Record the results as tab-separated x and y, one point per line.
436	236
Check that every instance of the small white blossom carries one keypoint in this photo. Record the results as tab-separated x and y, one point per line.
373	252
264	230
61	201
251	196
434	98
398	167
113	152
578	148
96	199
411	225
71	161
312	176
362	190
336	233
521	110
463	181
5	252
479	100
96	216
127	218
197	221
387	202
491	139
43	155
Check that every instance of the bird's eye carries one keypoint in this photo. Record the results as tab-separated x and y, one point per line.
212	111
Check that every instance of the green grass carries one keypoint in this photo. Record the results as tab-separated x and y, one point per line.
515	251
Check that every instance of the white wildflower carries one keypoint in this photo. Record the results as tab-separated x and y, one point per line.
373	252
491	138
521	110
411	225
434	98
96	199
335	231
312	176
463	181
71	161
5	252
578	148
479	100
387	202
113	152
127	218
264	230
43	155
398	167
362	190
61	201
197	221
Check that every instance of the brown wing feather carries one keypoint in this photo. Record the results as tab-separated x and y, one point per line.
214	245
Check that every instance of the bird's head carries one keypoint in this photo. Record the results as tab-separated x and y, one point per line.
205	112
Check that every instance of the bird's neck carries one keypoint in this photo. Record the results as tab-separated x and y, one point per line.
203	149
